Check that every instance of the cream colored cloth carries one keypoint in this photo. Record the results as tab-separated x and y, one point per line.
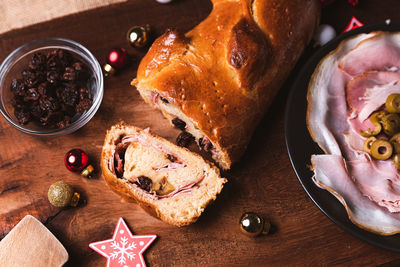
20	13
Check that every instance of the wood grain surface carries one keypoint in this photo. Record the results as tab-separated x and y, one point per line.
263	181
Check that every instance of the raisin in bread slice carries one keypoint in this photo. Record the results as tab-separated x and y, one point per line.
168	181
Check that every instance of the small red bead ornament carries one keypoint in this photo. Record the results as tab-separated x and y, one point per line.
76	160
118	58
353	2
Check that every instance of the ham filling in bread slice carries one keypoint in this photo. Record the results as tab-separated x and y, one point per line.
170	182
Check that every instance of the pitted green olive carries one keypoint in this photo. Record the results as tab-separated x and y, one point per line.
378	115
391	124
392	103
381	149
396	161
395	140
375	119
367	144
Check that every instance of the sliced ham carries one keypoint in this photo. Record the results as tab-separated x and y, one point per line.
366	94
146	141
379	52
356	88
361	209
348	85
375	97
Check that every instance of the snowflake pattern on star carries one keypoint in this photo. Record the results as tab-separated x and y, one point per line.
124	249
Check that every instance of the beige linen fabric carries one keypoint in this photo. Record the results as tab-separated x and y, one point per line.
20	13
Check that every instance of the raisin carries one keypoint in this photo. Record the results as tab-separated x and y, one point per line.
52	62
83	93
180	124
144	183
43	88
51	90
48	104
37	62
84	105
53	76
63	56
69	74
205	144
30	78
172	158
78	66
49	118
64	123
68	95
36	111
163	99
22	116
184	139
32	94
18	88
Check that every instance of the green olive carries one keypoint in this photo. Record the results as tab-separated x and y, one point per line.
391	124
396	161
381	149
367	144
375	118
163	187
61	195
392	103
395	140
378	115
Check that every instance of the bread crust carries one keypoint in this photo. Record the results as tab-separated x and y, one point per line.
224	73
122	188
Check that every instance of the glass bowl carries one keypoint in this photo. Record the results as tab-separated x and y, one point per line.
17	61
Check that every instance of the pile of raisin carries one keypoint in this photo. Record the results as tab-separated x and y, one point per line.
52	90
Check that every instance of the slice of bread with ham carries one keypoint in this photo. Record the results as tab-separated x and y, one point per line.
168	181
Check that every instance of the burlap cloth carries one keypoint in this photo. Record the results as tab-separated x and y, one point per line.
20	13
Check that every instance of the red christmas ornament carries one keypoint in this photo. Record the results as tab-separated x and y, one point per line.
124	249
353	24
118	58
76	160
353	2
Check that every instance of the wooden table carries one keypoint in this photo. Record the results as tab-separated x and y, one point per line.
263	181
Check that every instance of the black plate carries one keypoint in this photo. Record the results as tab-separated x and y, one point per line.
300	146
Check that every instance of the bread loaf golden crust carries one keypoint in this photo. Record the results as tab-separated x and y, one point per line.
224	73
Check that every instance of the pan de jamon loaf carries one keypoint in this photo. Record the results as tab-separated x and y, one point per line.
168	181
217	80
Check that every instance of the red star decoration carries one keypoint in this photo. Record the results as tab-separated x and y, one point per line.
124	249
354	23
